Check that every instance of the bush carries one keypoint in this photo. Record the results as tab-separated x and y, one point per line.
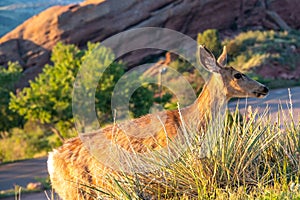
8	78
210	38
31	141
48	100
252	49
190	73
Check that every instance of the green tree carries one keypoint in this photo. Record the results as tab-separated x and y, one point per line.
48	100
8	78
210	38
141	101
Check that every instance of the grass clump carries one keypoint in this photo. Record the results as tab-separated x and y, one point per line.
210	38
254	48
245	157
271	57
276	53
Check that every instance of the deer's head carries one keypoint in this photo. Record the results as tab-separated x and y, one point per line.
235	83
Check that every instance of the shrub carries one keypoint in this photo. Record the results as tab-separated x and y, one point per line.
8	78
210	38
252	49
31	141
48	100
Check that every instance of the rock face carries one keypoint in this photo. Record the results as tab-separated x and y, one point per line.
94	20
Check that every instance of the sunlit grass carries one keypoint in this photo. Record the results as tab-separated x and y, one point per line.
246	157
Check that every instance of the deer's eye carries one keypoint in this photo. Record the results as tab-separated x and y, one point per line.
238	76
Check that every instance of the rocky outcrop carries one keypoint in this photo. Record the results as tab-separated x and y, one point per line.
94	20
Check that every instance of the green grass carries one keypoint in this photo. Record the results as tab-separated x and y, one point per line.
249	51
254	48
252	158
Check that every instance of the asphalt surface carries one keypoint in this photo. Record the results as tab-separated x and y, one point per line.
23	172
278	101
33	196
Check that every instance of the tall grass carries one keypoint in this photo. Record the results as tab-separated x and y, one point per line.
241	157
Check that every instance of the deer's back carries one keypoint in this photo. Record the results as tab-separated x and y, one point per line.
71	166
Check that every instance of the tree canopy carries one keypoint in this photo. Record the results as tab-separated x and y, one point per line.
48	100
8	77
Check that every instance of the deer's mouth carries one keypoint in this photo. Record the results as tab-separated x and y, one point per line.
260	94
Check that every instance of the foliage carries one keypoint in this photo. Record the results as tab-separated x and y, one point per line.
210	38
102	73
141	101
31	141
48	100
254	48
8	78
190	73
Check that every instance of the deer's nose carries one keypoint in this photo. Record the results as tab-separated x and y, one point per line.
266	90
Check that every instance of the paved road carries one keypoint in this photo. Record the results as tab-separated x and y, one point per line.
23	172
275	98
33	196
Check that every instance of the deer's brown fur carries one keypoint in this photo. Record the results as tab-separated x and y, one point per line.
72	165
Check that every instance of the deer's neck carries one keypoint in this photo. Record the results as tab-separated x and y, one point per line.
210	104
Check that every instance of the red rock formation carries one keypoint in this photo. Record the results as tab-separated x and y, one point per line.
94	20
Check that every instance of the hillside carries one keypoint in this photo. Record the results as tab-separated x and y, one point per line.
15	12
94	20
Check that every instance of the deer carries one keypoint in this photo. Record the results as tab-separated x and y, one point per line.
72	164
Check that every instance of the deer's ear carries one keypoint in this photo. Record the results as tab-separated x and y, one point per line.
207	59
222	60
